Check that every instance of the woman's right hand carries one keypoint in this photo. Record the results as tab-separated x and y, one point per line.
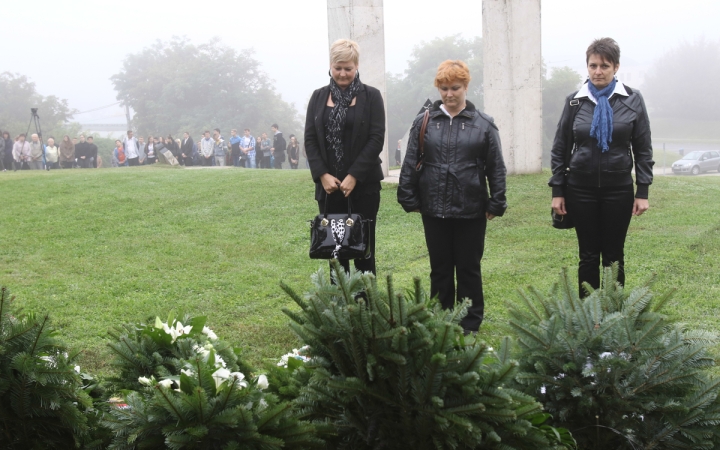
558	205
330	183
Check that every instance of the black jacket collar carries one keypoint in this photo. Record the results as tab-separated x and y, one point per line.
468	112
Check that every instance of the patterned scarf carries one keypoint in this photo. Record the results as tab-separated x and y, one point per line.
602	123
336	122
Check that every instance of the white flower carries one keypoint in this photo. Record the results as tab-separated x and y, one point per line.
145	381
262	382
188	372
219	362
77	369
166	383
210	334
220	376
177	330
542	389
239	379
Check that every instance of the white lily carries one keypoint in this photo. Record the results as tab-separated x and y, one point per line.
239	379
146	381
180	329
262	382
220	376
188	372
77	369
166	383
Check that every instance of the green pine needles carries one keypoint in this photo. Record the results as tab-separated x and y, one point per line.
614	370
42	401
393	370
189	390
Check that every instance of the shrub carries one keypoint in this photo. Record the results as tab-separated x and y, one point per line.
42	401
395	371
614	370
190	394
161	349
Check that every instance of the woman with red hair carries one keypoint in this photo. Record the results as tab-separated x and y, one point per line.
457	186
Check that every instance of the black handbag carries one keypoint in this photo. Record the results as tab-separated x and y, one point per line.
339	236
561	222
566	222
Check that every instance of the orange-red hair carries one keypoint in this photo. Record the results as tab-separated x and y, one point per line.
452	71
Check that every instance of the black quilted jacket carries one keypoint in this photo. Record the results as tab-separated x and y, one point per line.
464	173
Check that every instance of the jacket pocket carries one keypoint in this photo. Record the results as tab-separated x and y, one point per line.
468	194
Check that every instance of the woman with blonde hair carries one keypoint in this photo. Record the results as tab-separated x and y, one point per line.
457	186
344	135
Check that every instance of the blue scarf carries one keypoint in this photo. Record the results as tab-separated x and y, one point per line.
602	123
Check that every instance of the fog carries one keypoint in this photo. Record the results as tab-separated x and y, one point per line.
70	49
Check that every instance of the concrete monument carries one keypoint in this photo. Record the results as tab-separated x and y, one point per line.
513	79
363	22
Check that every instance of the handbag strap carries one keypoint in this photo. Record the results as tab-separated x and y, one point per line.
421	144
327	197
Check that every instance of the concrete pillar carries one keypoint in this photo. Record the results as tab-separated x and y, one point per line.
363	22
513	79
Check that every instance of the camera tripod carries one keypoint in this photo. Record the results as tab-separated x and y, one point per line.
34	119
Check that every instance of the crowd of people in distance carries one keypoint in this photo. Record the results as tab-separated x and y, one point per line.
34	154
248	151
239	151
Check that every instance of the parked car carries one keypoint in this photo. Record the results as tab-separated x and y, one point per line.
697	162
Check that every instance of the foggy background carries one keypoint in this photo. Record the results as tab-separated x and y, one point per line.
71	49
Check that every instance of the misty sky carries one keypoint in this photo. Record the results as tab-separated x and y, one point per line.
71	48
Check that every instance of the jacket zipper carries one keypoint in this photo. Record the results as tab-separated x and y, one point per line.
447	178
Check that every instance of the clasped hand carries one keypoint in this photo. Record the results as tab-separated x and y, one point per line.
332	184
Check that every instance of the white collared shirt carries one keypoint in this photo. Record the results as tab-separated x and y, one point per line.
585	91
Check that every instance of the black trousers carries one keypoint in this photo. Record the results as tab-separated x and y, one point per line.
134	161
265	162
362	203
66	164
279	160
602	217
456	247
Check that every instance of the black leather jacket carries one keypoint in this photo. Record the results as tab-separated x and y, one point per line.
460	155
589	166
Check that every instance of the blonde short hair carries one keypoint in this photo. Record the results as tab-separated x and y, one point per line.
452	71
345	50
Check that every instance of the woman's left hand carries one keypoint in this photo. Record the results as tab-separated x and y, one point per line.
640	206
489	216
347	185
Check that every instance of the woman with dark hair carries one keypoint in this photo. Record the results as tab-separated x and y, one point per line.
603	131
458	189
150	151
344	135
293	151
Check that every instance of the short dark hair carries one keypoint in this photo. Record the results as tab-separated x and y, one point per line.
22	135
89	137
606	48
275	126
206	131
247	129
130	131
217	129
6	133
118	140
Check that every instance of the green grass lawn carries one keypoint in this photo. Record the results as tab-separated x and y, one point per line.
99	247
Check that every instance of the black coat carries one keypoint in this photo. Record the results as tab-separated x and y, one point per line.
462	158
368	137
187	147
589	166
82	149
